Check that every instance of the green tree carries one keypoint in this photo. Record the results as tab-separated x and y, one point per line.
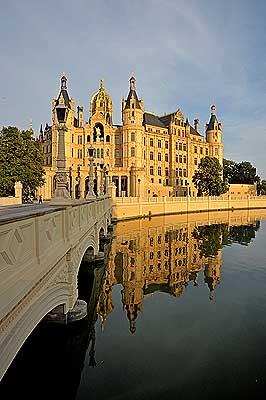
208	178
243	172
21	159
261	188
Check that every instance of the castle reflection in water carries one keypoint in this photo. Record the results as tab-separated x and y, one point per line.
168	253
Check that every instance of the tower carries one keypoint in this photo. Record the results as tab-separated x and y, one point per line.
132	140
214	136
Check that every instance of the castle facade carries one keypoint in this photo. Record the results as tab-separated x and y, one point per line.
147	155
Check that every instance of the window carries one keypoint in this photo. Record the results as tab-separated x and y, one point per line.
79	153
132	136
72	138
160	171
166	172
195	161
132	105
176	158
176	145
166	157
88	138
107	139
185	173
184	159
79	139
178	132
144	154
117	153
98	153
132	151
176	172
207	152
159	157
166	181
160	181
133	113
151	155
184	147
159	143
116	139
151	170
166	144
201	150
195	149
101	153
180	146
72	152
216	151
144	141
151	142
180	171
180	159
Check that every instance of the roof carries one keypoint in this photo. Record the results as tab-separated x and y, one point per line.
131	93
213	119
65	97
194	132
166	119
151	119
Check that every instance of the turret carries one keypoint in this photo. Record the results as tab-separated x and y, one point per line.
214	135
132	107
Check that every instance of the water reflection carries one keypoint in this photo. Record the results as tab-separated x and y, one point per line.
150	257
164	255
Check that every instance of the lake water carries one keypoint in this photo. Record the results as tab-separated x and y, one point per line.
179	313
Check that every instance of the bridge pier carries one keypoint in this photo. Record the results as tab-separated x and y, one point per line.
77	313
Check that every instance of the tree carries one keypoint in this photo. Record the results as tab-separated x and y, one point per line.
21	159
208	178
261	188
243	172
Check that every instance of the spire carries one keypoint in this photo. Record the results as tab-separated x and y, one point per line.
132	82
63	82
41	130
132	93
31	128
101	85
213	119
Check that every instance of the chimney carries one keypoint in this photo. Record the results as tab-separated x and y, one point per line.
196	125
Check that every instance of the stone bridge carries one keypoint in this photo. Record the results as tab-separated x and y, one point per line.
41	249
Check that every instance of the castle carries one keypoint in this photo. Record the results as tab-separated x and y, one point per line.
148	155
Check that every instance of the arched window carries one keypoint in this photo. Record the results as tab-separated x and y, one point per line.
107	139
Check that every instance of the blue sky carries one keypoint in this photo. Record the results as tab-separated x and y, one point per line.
183	53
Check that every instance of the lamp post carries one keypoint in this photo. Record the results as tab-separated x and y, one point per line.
106	182
102	183
70	181
91	194
77	192
61	192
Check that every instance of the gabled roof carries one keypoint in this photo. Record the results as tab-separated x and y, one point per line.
151	119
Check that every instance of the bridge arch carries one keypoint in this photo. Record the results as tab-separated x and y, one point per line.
49	299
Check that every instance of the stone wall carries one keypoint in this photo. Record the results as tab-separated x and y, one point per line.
134	207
